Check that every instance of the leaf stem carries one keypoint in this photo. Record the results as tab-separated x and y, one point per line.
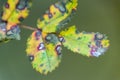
28	27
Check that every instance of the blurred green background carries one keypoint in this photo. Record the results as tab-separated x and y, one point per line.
92	16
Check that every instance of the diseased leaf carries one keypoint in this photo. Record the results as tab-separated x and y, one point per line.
14	12
85	43
57	15
43	54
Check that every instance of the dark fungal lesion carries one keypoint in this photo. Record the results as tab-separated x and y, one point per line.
3	31
13	33
38	33
31	58
3	25
22	4
51	38
21	19
7	5
61	39
41	46
61	6
41	65
49	14
63	23
99	36
58	49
